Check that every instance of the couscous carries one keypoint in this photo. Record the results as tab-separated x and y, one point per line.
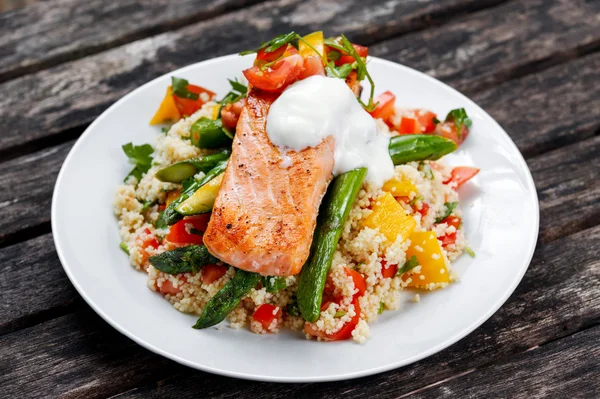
399	235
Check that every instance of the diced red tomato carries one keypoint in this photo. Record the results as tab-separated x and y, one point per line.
230	114
272	56
312	66
187	106
184	231
409	126
211	273
343	333
385	106
389	271
265	314
150	241
167	287
423	210
348	59
450	238
460	175
278	76
359	281
425	119
448	130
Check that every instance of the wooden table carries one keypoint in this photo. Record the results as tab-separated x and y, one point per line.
534	65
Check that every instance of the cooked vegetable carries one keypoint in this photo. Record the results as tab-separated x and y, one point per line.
274	283
334	212
419	147
203	199
209	133
426	248
189	230
400	188
167	111
183	170
188	259
391	219
140	156
449	208
224	301
408	265
213	272
170	214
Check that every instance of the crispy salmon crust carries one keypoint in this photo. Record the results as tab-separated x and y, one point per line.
265	213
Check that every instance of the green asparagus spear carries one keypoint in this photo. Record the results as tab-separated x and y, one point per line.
183	170
170	214
419	147
183	260
332	216
209	133
224	301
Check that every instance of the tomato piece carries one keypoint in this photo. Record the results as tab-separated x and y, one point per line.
359	281
187	106
276	77
230	114
343	333
385	106
265	314
460	175
409	126
312	66
211	273
425	119
424	209
450	238
167	287
448	130
188	230
348	59
389	271
150	241
272	56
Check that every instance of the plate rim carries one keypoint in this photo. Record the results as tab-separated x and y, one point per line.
508	291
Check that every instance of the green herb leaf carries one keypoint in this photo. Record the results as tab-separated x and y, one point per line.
123	246
460	118
340	72
436	121
470	251
237	86
408	265
340	313
381	308
334	42
450	207
273	44
146	205
140	156
165	129
274	283
208	133
183	259
413	201
160	221
333	55
179	87
361	71
292	306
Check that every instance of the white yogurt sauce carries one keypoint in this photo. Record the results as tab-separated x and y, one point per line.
317	107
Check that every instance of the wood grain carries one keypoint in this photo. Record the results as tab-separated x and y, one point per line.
51	32
79	355
111	74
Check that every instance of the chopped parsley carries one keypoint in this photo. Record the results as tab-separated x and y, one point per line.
274	283
460	119
340	313
408	265
470	251
436	121
179	87
292	307
450	207
140	156
340	72
165	129
413	201
381	308
146	205
123	246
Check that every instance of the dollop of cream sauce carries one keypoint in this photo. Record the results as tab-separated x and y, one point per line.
312	109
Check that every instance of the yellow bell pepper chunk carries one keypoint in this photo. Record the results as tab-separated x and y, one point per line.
400	188
215	112
425	246
391	219
167	112
316	40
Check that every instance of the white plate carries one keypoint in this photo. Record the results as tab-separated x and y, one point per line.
500	211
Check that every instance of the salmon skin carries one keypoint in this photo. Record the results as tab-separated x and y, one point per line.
265	213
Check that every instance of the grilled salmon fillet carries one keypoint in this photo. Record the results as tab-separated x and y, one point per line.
265	213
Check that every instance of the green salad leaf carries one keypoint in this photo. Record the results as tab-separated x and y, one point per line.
408	265
179	87
460	118
140	156
450	207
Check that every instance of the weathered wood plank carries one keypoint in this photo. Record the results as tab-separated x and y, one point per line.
109	75
80	356
51	32
485	48
34	286
568	368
